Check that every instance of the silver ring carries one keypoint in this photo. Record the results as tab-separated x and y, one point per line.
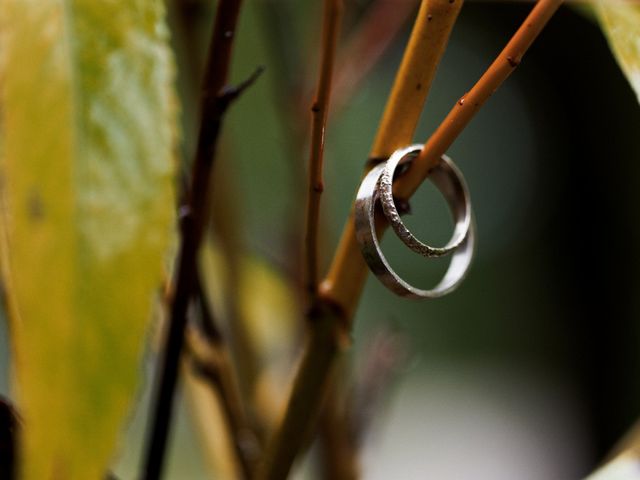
364	211
449	181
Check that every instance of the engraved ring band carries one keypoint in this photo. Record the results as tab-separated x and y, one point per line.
449	181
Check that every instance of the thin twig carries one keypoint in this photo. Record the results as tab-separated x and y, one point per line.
330	30
189	24
215	101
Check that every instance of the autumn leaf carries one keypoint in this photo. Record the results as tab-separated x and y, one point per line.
620	20
88	134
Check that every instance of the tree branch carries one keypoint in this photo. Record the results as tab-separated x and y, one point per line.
214	103
341	289
348	272
309	389
330	31
464	110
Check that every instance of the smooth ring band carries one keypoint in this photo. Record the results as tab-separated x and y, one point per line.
370	246
453	188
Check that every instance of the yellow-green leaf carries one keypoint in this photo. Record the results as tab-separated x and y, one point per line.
88	124
620	20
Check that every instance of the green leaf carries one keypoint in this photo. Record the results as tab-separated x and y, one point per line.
620	20
88	118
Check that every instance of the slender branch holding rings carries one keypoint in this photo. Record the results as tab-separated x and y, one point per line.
340	291
465	109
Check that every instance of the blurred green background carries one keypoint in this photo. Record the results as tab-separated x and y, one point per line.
530	370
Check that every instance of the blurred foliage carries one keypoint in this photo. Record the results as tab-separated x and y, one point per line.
89	132
621	22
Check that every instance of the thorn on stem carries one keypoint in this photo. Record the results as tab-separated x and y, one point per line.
232	92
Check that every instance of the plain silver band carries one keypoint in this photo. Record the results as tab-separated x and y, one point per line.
370	247
450	182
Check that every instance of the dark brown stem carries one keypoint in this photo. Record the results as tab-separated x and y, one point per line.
215	101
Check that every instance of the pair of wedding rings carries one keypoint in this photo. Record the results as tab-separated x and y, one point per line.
377	186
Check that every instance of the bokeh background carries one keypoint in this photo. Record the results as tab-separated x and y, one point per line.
530	370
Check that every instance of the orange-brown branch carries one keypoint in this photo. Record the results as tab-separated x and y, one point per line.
464	110
343	284
340	291
320	109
